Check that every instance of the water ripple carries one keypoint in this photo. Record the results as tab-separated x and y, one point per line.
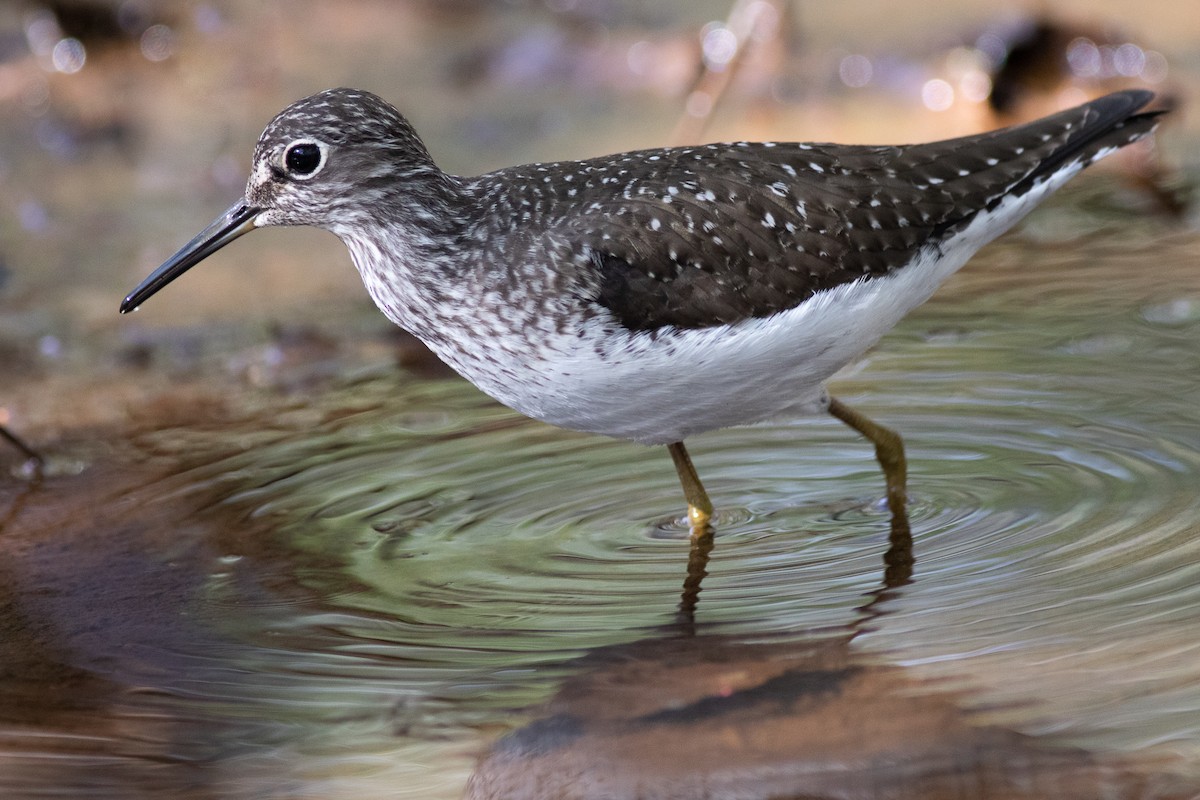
419	559
516	546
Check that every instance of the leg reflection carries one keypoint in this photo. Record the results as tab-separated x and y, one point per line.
33	459
697	568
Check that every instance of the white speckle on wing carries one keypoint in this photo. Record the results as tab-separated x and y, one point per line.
804	347
514	309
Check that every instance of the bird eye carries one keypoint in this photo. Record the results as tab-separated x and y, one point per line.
303	159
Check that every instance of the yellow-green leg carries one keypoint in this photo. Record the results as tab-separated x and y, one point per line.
889	450
699	506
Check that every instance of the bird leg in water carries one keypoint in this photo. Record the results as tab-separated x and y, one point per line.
699	506
889	450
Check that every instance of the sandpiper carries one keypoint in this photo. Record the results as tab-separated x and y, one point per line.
656	294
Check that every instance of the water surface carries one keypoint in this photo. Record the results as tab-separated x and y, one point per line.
354	597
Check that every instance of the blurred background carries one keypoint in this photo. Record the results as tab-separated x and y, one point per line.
127	125
276	551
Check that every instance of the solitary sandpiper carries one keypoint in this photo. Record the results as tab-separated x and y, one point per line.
656	294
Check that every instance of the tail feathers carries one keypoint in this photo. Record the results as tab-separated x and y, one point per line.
1108	123
1049	149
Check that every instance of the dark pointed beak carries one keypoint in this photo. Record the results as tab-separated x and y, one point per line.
236	221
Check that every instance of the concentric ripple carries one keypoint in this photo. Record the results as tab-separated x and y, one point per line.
468	552
1053	503
412	563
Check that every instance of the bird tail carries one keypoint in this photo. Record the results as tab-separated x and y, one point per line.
1105	124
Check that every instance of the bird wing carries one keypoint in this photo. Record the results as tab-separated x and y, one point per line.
696	237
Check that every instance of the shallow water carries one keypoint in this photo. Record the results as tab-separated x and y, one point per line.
394	588
354	598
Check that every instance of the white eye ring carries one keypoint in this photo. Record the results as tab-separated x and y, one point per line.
304	158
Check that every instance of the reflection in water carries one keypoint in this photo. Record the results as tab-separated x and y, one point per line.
33	460
700	548
347	598
715	716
